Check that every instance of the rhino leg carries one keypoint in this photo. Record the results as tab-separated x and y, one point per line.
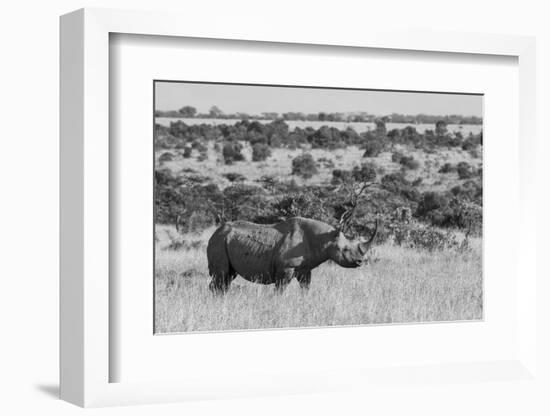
282	279
221	280
304	278
222	274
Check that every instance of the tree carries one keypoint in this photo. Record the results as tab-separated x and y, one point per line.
215	112
232	152
440	128
304	166
260	151
188	111
270	116
380	124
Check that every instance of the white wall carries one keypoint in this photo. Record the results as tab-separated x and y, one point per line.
29	210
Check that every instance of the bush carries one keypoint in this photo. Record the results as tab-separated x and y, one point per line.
396	157
232	152
326	162
365	173
199	146
327	138
419	236
472	142
166	157
260	151
304	204
195	179
465	171
470	191
202	157
187	152
417	182
440	128
304	166
234	177
409	162
341	176
447	168
196	222
244	202
447	211
396	183
373	148
431	201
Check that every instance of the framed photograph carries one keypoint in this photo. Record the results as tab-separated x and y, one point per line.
376	215
285	222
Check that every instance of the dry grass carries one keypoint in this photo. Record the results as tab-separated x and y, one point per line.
401	285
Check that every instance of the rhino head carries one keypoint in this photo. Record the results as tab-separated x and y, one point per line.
350	252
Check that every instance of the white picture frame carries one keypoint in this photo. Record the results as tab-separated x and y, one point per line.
85	355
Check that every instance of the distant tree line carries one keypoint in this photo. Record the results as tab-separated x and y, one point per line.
349	117
276	134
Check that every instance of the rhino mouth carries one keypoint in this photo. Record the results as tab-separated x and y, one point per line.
352	264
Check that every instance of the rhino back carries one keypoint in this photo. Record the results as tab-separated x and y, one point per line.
251	249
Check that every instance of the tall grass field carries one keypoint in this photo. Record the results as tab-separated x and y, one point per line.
399	285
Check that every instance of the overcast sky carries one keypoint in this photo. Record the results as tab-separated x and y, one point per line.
258	99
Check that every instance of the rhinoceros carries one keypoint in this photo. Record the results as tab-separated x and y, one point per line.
277	253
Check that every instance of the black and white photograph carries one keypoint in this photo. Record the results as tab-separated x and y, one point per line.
295	206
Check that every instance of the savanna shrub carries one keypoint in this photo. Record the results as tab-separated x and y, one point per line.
417	182
447	168
467	215
268	181
244	202
202	156
200	146
373	148
232	152
166	157
234	177
196	222
396	157
396	183
474	153
470	190
416	235
472	142
326	162
404	230
304	166
402	215
365	173
304	204
341	176
431	201
187	152
444	211
440	128
260	151
409	162
326	138
464	170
